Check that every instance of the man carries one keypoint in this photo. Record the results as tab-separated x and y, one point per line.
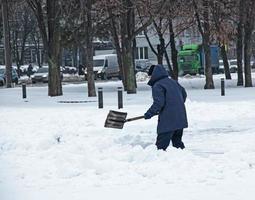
29	70
168	103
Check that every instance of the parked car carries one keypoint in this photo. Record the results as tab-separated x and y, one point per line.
232	68
105	66
142	65
233	65
252	64
221	66
42	75
15	77
69	70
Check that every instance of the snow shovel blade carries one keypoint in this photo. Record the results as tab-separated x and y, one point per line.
115	119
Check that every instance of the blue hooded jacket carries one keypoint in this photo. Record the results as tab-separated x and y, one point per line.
168	101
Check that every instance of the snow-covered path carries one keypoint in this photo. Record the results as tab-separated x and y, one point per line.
55	151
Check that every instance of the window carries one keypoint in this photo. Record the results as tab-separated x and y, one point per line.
98	63
2	70
188	58
141	33
142	53
146	52
42	70
106	63
233	62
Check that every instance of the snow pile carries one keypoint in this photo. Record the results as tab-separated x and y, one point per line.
62	151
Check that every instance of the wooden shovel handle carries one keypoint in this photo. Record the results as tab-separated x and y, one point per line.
134	118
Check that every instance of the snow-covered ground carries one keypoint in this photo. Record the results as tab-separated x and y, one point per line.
61	151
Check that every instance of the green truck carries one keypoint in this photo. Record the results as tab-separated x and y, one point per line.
191	59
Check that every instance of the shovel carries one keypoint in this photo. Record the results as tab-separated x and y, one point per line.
117	119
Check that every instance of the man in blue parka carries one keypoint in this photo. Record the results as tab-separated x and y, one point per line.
168	103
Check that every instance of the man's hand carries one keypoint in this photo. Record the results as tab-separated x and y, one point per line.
147	116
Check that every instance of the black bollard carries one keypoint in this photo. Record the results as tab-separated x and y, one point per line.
222	87
100	98
120	98
24	91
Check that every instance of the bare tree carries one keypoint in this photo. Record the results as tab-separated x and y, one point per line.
174	52
35	38
88	29
122	15
239	42
175	17
21	26
223	28
82	20
7	47
49	26
248	29
202	14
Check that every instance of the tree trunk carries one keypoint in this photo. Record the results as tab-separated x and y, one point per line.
50	33
208	69
121	66
239	45
21	61
127	57
174	51
161	46
133	59
247	56
24	38
248	29
205	33
38	58
118	49
225	61
36	42
74	56
7	46
43	57
206	45
169	66
54	82
127	31
16	50
89	49
160	54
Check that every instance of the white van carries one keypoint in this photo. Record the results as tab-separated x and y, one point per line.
106	66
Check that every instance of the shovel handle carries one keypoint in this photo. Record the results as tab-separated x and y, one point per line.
134	118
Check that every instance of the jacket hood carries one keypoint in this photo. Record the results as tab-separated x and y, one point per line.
158	73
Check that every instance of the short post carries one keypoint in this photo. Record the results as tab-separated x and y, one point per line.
120	98
222	87
24	91
100	98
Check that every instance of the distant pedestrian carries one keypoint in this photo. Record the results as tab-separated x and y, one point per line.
168	103
81	70
29	70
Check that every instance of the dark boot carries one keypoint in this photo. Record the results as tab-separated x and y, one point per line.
177	139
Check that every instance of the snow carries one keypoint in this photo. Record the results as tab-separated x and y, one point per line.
57	151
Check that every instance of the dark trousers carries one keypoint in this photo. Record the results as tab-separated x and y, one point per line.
163	139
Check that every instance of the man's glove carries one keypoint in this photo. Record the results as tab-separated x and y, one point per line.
147	116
